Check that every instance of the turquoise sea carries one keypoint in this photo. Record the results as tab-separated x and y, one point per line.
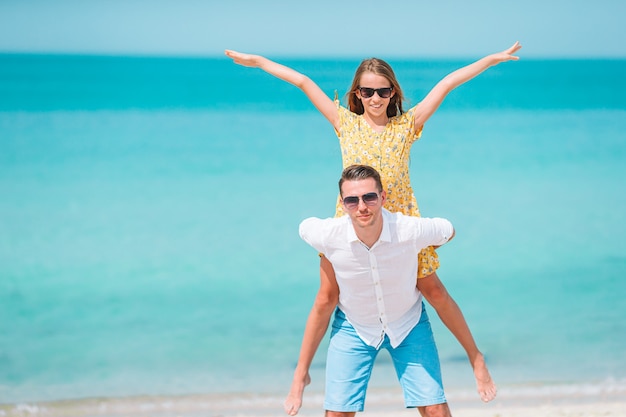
149	210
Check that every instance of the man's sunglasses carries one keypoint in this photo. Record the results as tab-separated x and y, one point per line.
367	92
352	201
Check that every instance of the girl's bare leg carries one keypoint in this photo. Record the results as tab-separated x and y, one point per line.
315	329
436	294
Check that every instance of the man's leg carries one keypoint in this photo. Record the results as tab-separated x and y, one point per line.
349	365
437	410
416	362
339	414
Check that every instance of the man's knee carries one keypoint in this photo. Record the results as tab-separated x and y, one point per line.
437	410
339	414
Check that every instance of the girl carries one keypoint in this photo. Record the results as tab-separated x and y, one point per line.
374	130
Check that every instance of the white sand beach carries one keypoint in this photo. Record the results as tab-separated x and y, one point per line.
594	400
563	401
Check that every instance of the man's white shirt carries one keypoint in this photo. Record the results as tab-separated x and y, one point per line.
378	285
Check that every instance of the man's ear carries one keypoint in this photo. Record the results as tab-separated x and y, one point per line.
383	197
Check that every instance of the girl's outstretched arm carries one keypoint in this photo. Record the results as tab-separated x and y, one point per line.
435	97
319	99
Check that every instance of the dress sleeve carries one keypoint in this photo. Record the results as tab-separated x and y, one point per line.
408	119
345	116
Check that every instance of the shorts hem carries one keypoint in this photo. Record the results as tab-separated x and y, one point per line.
343	408
425	403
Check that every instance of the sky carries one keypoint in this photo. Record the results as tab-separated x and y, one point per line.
333	28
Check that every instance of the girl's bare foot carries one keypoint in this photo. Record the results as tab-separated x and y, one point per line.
293	402
486	387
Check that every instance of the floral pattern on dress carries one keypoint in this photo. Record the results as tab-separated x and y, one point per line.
389	153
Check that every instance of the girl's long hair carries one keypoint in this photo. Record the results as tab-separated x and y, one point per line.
378	67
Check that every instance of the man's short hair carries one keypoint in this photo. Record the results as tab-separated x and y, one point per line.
360	172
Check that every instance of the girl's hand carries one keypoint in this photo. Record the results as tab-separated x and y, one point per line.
247	60
507	55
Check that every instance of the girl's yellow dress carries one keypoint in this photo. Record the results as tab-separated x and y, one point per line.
388	152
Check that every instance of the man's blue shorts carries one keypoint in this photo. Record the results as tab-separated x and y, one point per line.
350	361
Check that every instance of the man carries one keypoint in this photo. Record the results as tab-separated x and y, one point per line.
374	254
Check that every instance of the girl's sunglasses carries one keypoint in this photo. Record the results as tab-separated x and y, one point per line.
352	202
367	92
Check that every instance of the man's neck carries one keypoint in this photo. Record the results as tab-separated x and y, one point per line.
369	235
